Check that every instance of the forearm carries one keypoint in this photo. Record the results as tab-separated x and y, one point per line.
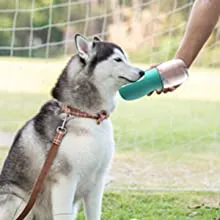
203	18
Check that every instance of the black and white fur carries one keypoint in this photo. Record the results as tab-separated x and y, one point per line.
89	82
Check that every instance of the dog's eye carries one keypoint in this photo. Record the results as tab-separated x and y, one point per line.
118	59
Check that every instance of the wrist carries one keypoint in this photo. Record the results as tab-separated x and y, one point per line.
186	62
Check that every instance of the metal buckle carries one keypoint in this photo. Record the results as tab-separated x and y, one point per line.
62	127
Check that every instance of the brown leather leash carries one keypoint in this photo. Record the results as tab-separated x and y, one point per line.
60	133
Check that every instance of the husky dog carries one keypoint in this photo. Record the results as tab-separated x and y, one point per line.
89	82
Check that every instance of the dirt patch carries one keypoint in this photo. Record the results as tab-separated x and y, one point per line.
133	170
144	171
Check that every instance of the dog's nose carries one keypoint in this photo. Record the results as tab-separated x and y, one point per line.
141	73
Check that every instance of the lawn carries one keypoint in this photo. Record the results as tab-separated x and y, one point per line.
147	124
159	206
163	142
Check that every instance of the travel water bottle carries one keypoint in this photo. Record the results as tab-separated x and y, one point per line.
165	75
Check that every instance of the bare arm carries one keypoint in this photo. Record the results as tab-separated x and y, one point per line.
202	20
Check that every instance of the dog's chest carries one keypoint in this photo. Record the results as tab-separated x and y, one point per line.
88	147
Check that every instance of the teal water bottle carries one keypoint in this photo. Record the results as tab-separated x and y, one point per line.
165	75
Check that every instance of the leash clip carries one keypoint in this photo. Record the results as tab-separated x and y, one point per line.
62	127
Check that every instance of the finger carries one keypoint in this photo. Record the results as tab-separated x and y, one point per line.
171	89
159	91
166	90
177	86
152	66
150	93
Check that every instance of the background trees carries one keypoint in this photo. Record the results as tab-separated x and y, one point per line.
149	30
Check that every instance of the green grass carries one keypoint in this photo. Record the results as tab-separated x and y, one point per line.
3	152
162	123
159	206
166	135
182	135
146	124
23	106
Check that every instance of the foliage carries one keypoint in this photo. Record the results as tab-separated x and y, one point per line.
158	25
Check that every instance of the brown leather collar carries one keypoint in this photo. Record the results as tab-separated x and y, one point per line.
99	117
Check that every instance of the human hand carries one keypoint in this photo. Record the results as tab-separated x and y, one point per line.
166	90
173	74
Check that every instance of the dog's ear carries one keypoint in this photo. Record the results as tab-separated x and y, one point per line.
96	38
82	46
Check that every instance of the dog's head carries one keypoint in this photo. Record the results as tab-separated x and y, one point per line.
95	74
106	62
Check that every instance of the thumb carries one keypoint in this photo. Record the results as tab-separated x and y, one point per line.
152	66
